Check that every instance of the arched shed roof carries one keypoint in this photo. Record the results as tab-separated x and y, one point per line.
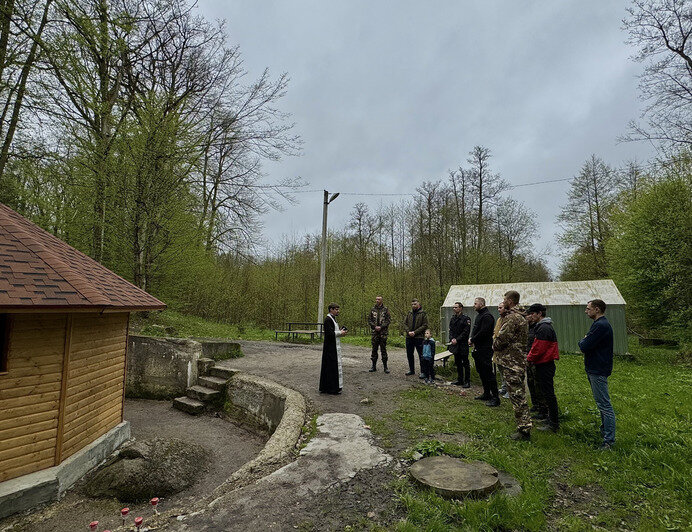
554	293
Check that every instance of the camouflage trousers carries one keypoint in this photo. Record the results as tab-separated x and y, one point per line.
513	372
381	342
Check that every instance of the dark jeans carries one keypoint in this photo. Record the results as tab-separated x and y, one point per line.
537	399
484	366
381	342
412	343
461	361
428	367
544	374
599	389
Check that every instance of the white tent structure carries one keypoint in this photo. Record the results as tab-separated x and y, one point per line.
565	300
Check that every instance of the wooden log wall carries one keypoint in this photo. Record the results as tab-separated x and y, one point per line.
49	410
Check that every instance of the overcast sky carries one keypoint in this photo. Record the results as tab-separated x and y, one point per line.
388	94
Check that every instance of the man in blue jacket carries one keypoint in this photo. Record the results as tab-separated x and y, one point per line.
597	347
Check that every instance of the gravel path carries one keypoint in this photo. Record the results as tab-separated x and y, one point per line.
298	366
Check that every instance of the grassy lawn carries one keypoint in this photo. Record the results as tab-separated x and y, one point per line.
185	326
644	483
172	323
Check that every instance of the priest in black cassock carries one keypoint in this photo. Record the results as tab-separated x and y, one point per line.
331	376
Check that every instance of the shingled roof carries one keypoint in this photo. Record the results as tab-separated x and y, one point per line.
40	271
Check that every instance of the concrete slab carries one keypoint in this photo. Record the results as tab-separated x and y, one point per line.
454	478
341	448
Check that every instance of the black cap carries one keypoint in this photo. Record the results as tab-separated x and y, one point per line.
536	307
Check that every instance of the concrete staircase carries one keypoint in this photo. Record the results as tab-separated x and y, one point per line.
209	391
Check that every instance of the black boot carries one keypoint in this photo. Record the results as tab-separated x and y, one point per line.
465	377
384	365
373	368
486	395
493	401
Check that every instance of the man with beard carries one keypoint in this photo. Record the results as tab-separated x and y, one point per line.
482	341
459	330
416	322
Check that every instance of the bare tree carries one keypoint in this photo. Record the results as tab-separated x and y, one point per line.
584	218
661	30
22	24
516	231
486	187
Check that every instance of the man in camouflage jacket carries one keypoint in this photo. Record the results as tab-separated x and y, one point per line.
509	346
379	320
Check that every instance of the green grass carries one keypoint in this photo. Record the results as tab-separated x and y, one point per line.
185	326
173	323
644	483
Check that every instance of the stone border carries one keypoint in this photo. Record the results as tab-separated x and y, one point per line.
271	405
244	392
48	485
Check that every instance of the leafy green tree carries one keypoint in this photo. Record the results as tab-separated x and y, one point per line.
650	255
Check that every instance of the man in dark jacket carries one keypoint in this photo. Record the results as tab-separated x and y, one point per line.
542	356
379	321
416	322
597	347
482	341
459	330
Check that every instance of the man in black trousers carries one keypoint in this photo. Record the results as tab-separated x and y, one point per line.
459	330
482	341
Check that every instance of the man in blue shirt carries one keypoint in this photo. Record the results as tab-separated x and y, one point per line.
597	347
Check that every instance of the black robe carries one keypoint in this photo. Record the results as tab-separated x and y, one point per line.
329	375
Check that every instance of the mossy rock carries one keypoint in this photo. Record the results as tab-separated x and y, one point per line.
144	469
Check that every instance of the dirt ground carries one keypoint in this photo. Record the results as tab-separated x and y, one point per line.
367	497
298	366
230	447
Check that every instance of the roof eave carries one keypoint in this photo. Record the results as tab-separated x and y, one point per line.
108	309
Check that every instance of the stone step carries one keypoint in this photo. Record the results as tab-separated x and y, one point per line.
215	383
202	393
189	405
222	373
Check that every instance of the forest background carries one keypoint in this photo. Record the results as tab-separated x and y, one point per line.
131	131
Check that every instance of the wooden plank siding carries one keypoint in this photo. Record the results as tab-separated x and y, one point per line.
94	379
29	394
45	418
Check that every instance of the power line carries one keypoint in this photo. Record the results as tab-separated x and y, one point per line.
539	182
310	191
293	190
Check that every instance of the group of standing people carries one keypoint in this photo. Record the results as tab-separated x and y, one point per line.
521	344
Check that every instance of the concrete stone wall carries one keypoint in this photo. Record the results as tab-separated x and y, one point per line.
218	349
161	368
256	400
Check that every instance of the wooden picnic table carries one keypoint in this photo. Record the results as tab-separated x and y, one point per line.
294	328
443	356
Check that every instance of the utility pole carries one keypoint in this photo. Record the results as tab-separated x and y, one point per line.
323	258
